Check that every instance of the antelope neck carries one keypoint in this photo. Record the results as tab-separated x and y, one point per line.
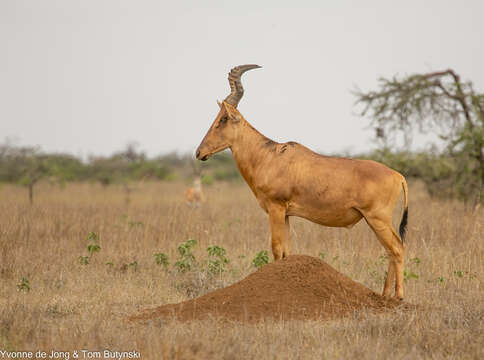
248	150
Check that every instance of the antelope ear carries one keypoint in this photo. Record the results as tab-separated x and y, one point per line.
219	104
232	112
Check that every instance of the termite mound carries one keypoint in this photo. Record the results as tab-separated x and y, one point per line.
298	287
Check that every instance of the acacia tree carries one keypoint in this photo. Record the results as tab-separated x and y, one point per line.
33	168
22	165
436	101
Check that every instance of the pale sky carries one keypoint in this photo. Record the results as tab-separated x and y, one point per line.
89	76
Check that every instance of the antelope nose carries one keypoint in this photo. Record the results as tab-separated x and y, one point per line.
198	153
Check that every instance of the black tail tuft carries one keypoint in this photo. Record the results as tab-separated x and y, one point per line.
403	225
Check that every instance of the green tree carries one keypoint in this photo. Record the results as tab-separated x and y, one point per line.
35	168
22	165
436	101
63	167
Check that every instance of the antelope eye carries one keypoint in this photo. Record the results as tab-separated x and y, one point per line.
222	120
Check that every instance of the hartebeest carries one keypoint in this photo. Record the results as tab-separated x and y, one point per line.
288	179
194	195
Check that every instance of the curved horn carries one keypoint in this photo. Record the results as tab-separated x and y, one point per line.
237	91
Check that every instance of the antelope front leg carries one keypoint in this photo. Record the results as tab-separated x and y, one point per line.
277	219
286	245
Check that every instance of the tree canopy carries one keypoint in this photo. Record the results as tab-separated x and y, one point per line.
436	101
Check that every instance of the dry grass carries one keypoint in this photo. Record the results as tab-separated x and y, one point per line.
72	306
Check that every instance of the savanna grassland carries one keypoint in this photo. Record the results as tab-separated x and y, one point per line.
56	294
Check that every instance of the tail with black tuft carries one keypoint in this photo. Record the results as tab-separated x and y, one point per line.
403	225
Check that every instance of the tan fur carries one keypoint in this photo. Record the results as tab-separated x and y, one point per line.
194	195
289	179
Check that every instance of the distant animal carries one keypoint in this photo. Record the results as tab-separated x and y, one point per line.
194	195
288	179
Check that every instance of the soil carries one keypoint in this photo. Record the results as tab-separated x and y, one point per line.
298	287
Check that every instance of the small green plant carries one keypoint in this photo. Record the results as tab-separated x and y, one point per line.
92	247
92	236
217	259
374	267
84	260
24	285
261	259
383	259
133	223
407	275
133	265
441	279
322	255
186	260
415	260
161	259
130	223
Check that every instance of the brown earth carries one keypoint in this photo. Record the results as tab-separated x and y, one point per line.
298	287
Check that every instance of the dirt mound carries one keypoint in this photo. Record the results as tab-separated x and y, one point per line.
298	287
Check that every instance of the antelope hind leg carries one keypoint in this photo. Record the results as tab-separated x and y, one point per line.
387	288
392	243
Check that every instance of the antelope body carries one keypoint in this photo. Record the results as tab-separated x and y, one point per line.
288	179
194	195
